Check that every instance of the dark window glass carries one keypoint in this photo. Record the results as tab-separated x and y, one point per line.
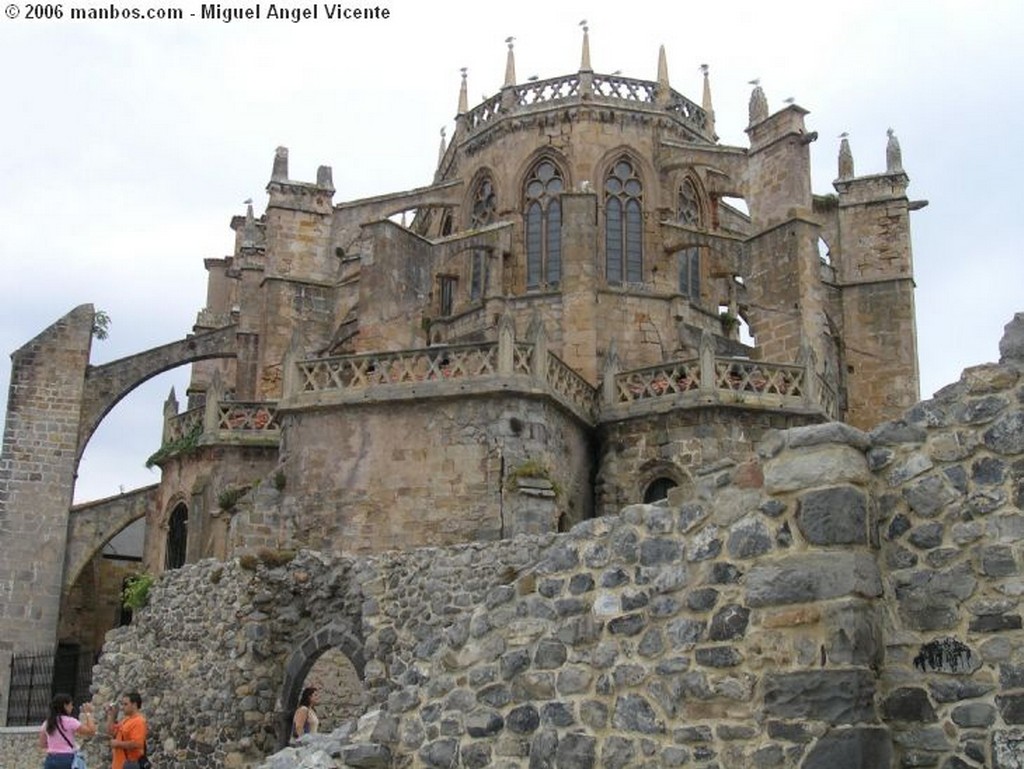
658	489
177	537
543	219
689	273
624	228
447	294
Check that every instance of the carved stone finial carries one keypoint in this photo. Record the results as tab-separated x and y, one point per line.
662	67
325	178
709	110
463	94
249	231
585	57
845	158
440	152
510	64
893	153
280	172
758	104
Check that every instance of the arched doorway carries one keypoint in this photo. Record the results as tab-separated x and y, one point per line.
177	537
332	660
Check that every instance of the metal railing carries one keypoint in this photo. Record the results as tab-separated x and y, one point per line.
37	675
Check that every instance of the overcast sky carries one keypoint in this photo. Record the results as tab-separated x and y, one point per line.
128	145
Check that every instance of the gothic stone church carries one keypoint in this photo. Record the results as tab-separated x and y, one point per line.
590	304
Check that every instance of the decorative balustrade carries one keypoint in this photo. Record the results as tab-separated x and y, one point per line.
626	88
183	424
238	415
564	380
484	113
431	364
655	381
742	375
555	89
522	359
828	398
688	111
565	87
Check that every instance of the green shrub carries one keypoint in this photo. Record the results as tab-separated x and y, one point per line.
136	591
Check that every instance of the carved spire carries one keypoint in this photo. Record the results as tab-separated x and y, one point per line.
758	103
663	85
662	67
585	57
510	64
280	172
442	148
709	110
463	94
893	154
845	157
171	405
249	231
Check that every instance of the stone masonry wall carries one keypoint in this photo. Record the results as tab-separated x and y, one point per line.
36	481
852	603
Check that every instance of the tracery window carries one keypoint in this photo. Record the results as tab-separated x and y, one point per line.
177	537
485	203
543	217
689	205
623	224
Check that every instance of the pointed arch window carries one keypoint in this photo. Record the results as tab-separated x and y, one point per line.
485	203
688	212
623	190
543	218
177	537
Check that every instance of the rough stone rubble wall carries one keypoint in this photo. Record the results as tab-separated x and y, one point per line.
847	600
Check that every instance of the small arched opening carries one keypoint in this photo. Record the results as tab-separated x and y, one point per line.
332	661
658	489
177	537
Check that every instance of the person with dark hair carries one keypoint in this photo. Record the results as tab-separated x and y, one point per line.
57	734
127	736
305	720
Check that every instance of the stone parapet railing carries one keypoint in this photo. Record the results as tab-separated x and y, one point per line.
178	426
221	421
514	366
583	86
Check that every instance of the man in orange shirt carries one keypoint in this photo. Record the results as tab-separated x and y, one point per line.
127	736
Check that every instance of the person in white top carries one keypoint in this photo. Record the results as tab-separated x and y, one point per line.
306	720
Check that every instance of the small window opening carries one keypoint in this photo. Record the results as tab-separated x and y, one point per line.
447	287
658	489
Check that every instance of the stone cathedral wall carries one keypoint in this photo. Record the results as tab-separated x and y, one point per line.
840	599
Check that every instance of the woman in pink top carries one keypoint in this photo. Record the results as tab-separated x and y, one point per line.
57	734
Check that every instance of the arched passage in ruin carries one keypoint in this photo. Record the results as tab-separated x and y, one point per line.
331	639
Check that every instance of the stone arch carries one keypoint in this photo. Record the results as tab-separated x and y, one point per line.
93	524
106	385
330	636
657	470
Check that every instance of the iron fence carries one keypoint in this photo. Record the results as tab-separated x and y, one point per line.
36	676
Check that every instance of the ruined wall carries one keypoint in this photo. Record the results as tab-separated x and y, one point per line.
853	603
683	445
